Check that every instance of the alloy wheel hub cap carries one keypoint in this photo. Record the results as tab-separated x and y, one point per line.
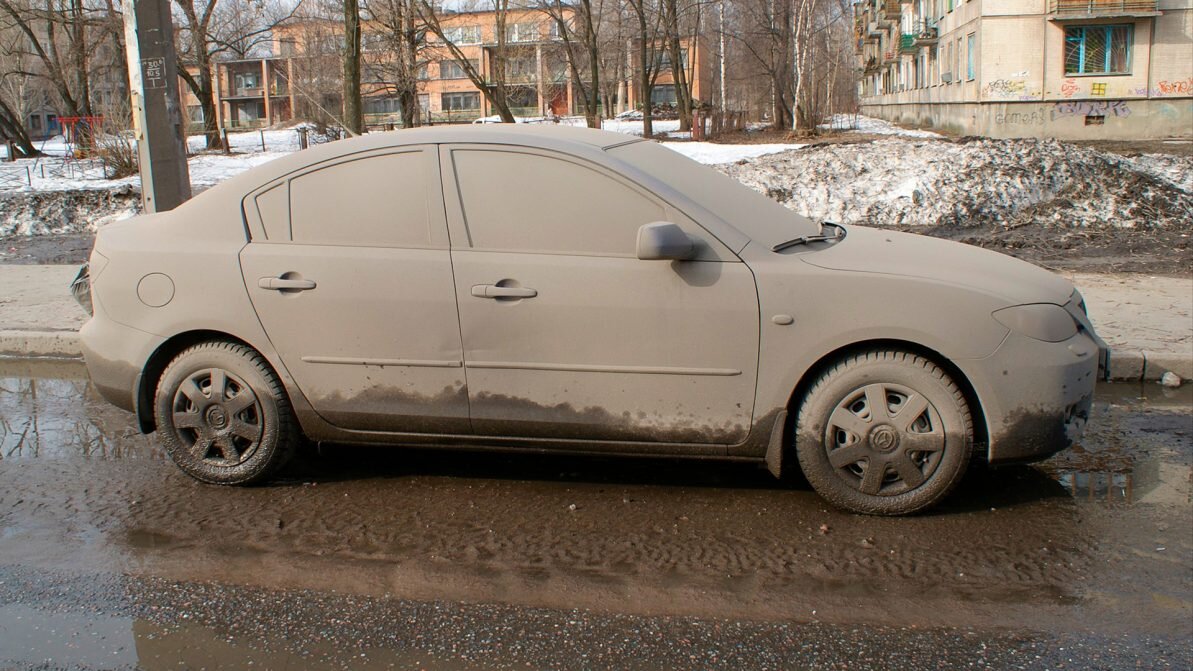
884	438
217	417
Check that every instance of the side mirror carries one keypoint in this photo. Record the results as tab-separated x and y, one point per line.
664	241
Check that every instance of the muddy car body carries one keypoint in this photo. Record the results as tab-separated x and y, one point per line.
575	290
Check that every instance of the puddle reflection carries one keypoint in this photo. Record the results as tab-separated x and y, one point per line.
50	410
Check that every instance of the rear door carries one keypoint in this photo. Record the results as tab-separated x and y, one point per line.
566	333
350	273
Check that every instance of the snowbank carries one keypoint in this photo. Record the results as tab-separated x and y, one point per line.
1003	183
856	123
712	153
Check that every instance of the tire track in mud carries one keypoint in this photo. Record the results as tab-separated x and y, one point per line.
520	539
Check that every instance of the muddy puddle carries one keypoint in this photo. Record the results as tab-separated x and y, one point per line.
1102	533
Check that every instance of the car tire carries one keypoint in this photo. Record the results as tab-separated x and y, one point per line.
223	415
884	432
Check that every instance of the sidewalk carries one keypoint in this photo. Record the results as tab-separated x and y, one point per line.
1147	321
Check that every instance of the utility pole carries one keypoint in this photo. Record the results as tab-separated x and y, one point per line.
157	116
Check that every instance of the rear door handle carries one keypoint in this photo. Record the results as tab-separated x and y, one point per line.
494	291
282	284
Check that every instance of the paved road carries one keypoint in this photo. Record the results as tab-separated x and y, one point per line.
397	558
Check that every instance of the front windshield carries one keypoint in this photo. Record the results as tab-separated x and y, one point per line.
750	212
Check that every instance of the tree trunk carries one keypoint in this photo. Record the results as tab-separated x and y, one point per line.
353	113
12	126
647	85
679	75
205	92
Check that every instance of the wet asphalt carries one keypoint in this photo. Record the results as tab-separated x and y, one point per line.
378	558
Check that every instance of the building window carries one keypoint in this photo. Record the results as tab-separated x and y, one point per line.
35	122
663	94
454	69
1101	50
522	32
970	65
248	80
520	70
664	59
460	35
461	102
382	105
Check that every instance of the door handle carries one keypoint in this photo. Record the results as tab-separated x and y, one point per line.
283	284
495	291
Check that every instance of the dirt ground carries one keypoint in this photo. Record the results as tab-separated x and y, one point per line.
1090	552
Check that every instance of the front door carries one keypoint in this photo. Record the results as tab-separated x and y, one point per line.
351	278
566	333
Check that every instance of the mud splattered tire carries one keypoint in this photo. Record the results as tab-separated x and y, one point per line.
223	415
884	432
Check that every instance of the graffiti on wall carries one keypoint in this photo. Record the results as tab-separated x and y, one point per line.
1096	108
1175	88
1034	118
1069	88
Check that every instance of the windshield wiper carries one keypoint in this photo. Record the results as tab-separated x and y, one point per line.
838	233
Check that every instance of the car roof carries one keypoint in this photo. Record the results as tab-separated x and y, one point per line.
565	139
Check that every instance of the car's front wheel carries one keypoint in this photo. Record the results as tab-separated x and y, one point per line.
223	415
884	432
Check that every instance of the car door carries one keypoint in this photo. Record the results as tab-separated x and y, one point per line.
350	274
566	333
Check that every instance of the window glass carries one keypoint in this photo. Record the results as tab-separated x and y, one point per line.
376	201
455	70
533	203
273	206
452	102
970	65
1098	49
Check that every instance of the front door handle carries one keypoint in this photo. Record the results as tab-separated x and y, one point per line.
284	284
495	291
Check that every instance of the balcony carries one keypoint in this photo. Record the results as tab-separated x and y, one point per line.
925	33
1063	10
907	44
889	11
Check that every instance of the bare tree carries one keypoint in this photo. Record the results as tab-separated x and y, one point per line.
497	92
214	27
649	21
401	61
56	34
579	28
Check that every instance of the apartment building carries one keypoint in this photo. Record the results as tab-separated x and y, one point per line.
1071	69
304	70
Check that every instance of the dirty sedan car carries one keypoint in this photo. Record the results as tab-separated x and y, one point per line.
576	291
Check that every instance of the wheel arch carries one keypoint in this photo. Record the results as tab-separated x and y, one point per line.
156	364
813	373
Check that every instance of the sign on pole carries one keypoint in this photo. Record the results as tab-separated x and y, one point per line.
157	115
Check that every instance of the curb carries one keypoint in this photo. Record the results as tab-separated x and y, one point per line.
58	344
1125	365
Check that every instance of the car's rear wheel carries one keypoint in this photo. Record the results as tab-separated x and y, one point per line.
223	415
884	432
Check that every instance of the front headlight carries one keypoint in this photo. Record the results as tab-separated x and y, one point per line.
1042	321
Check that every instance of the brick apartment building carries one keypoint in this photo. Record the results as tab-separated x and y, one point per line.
1072	69
303	73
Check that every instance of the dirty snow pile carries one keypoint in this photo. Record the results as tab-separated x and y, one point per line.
978	183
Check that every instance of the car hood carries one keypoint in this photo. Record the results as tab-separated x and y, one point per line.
870	250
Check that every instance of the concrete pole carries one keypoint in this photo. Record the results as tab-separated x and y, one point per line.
157	117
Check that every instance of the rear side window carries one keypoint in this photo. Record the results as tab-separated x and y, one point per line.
273	206
533	203
376	201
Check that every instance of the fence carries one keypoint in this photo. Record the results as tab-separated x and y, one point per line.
707	124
